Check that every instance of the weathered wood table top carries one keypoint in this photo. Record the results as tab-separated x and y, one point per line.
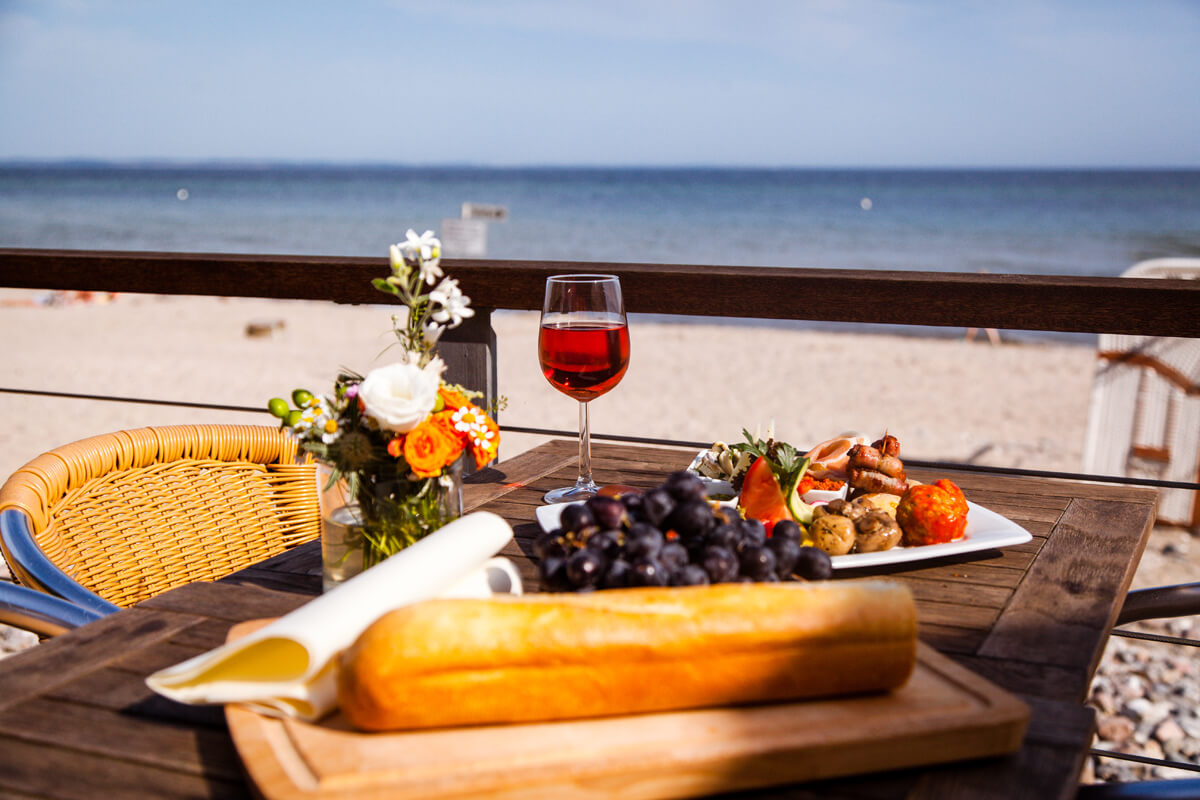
76	719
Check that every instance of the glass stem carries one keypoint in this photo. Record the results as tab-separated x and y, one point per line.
585	447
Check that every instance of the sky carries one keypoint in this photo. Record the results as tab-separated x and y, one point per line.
770	83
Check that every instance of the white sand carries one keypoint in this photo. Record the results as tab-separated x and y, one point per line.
1014	404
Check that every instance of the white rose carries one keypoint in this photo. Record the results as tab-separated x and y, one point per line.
400	396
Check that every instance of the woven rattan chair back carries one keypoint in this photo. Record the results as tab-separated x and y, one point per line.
132	514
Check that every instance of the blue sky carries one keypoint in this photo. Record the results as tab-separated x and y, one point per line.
620	82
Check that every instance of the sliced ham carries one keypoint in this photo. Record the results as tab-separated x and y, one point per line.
831	457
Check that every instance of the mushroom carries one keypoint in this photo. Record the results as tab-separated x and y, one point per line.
876	531
833	533
846	508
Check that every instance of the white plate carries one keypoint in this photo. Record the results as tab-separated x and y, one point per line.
985	530
712	485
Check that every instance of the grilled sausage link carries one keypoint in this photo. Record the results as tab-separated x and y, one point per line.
865	457
888	445
872	480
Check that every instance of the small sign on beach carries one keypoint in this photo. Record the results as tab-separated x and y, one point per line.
484	211
464	238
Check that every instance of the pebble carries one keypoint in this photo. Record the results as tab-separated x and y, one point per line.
1168	731
14	640
1114	729
1146	699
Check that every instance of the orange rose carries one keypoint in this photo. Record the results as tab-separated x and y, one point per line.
445	421
428	449
452	399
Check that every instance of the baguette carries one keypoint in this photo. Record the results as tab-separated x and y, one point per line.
449	662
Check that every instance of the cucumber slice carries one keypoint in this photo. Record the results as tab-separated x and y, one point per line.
801	511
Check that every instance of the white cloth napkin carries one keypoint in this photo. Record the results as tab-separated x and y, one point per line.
289	667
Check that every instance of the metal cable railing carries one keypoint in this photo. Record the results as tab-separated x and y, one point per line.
1157	762
612	437
1161	638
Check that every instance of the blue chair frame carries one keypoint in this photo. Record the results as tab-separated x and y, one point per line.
31	567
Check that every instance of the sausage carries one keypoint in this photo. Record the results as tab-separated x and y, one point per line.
862	455
888	445
872	480
866	457
890	465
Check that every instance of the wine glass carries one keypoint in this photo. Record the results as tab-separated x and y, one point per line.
583	346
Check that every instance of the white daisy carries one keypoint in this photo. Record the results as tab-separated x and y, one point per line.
424	250
455	306
330	431
470	420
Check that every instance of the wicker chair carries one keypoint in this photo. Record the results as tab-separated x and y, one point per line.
109	521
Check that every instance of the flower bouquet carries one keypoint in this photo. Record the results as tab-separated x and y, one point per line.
395	439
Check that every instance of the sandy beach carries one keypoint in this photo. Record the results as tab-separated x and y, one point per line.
1014	404
1010	404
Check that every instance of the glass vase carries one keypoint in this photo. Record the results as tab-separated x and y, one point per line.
382	518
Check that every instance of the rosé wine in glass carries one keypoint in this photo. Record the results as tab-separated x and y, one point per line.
583	347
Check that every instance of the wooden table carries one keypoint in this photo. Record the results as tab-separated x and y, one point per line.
76	719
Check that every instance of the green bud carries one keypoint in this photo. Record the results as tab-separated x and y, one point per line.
278	407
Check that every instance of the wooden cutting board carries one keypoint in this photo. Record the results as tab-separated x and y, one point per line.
944	713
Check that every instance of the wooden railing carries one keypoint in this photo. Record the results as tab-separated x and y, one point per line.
1154	307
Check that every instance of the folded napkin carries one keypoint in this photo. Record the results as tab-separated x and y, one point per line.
289	667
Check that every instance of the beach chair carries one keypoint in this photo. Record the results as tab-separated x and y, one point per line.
1144	413
109	521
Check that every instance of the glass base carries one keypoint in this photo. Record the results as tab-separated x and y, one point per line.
341	546
582	490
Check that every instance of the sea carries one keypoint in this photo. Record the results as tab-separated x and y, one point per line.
1044	222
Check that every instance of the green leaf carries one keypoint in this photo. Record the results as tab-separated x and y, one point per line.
786	457
754	446
335	475
785	461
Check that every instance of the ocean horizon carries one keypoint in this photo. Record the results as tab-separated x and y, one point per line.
1042	221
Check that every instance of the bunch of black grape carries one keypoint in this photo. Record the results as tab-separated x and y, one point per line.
669	536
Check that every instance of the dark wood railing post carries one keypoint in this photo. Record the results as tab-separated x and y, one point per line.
470	355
